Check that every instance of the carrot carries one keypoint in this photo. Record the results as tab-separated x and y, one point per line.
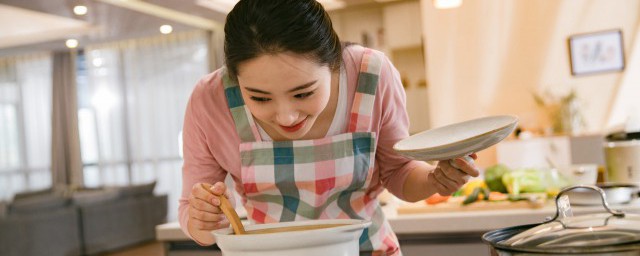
497	196
436	199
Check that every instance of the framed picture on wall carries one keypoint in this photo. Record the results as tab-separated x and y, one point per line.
596	52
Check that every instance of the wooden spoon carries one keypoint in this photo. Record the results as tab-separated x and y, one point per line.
293	228
231	213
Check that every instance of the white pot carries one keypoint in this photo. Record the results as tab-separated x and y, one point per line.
623	162
585	174
338	241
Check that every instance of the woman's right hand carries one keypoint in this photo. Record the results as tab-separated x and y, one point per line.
204	207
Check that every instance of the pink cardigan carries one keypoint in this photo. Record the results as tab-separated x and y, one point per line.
211	144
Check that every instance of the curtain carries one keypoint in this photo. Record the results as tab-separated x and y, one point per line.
66	165
133	95
25	123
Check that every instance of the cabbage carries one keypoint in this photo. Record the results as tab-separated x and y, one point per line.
493	177
524	181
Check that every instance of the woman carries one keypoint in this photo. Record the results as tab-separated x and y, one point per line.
304	125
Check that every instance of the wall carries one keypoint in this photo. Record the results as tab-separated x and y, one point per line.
488	57
625	110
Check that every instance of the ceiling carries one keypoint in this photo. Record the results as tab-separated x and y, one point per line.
45	24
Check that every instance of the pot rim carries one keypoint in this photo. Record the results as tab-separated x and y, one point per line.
349	226
622	143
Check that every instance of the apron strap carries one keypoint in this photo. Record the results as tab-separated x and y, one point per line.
363	101
245	125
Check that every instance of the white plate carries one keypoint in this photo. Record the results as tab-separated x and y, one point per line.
457	140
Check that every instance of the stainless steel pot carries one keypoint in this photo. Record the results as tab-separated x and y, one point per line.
610	233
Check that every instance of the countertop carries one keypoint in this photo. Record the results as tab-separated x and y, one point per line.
485	220
449	222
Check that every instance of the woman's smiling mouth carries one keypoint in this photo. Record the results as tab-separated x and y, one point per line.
295	127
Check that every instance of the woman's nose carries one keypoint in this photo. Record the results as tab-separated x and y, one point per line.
286	117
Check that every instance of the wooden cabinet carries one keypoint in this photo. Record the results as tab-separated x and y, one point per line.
402	25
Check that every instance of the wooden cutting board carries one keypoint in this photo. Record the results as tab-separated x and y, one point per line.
423	207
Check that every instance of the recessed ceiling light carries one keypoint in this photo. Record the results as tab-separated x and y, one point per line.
166	29
80	10
71	43
223	6
446	4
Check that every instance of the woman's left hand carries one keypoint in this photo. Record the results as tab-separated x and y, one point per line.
447	179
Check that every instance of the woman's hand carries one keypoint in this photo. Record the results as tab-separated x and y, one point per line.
204	207
447	179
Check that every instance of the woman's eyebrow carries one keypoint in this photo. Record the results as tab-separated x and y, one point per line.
304	86
256	90
297	88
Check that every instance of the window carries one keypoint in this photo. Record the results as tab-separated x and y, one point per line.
25	124
132	98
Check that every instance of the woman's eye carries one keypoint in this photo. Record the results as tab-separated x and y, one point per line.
260	99
304	95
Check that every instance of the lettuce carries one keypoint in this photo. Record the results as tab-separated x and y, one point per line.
524	181
493	177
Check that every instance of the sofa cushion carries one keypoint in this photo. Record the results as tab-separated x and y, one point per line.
34	204
93	196
137	190
58	190
28	194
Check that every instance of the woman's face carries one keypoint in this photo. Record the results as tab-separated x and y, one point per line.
285	92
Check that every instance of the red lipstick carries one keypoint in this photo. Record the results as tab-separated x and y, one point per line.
294	127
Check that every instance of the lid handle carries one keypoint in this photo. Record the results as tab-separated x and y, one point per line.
603	196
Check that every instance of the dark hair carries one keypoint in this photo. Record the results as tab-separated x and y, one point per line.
257	27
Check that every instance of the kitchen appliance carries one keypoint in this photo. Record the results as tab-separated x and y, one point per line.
610	233
616	194
342	239
622	156
580	174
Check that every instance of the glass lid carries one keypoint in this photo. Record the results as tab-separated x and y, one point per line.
564	230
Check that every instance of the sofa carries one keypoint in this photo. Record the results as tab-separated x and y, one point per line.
49	230
64	221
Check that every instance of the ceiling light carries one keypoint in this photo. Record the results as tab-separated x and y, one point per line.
223	6
71	43
166	29
80	10
447	4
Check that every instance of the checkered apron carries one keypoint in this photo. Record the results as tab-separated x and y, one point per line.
316	179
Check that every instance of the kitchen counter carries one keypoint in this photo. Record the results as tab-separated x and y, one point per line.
442	233
482	221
